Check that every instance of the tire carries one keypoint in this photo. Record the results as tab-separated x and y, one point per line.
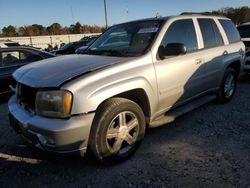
117	130
227	87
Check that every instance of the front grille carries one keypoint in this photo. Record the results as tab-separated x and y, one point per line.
26	94
247	43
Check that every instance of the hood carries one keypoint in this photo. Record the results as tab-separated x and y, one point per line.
55	71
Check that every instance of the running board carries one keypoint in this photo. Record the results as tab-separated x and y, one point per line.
171	115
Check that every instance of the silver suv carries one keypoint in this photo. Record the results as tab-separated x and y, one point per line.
138	74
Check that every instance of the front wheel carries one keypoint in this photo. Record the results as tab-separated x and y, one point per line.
228	86
117	130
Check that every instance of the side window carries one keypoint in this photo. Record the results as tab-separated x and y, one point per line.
230	30
10	58
210	33
244	31
27	57
217	32
182	31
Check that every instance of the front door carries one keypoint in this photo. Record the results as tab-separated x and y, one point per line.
182	77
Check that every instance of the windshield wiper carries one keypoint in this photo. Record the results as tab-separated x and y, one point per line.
113	52
90	51
107	52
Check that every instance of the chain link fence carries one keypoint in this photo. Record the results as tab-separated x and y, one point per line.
44	41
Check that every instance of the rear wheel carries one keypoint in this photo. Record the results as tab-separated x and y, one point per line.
228	86
117	130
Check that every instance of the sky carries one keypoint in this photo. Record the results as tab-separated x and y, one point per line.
67	12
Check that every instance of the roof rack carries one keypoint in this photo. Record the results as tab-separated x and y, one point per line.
201	13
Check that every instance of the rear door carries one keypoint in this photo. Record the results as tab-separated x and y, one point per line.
9	63
213	50
12	59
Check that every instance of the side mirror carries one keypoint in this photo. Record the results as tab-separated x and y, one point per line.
172	49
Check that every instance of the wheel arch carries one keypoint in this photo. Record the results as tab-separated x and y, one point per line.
236	65
138	96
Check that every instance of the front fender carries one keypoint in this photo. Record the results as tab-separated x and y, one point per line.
92	89
89	101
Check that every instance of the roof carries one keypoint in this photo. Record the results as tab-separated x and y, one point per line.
21	47
26	48
202	14
182	15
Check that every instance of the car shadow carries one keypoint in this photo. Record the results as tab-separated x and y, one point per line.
245	78
4	97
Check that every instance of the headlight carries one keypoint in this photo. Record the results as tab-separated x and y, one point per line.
54	103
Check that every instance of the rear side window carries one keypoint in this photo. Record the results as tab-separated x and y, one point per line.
210	33
13	58
10	58
27	57
181	31
230	30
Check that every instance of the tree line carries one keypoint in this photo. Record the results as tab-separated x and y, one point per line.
237	15
53	29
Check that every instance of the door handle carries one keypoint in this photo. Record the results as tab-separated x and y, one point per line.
198	61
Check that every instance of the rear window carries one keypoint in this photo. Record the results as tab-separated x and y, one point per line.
244	31
230	30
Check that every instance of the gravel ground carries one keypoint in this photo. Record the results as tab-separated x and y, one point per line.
208	147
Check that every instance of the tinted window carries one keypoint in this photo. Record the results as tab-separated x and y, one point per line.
244	31
129	39
10	58
230	30
210	33
181	31
29	57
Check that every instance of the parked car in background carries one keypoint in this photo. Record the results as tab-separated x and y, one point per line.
12	58
83	49
136	74
244	30
71	47
8	43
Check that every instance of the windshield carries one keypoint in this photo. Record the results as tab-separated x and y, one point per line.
244	31
129	39
66	46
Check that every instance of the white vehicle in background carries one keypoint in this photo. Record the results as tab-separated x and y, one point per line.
8	43
244	30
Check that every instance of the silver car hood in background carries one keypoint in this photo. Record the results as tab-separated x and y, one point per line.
53	72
